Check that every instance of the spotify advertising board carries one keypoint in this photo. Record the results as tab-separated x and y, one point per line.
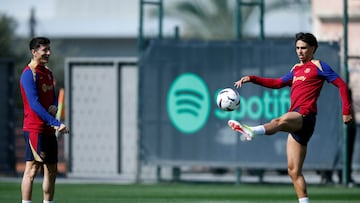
181	124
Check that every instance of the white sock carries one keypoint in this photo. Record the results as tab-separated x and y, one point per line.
47	201
26	201
258	130
304	200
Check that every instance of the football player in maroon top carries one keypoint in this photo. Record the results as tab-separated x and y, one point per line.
306	80
40	107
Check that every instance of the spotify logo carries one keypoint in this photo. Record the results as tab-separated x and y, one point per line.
188	103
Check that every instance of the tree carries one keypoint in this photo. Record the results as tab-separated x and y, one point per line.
211	19
215	19
7	28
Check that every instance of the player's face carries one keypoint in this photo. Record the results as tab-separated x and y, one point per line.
304	51
42	54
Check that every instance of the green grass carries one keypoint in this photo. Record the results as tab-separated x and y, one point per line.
189	193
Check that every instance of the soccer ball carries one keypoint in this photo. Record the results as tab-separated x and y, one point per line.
228	99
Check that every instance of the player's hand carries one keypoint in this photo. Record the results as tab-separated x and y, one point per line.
62	129
347	119
52	110
243	80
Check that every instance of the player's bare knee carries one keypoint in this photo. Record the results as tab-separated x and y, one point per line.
283	121
279	123
30	175
293	172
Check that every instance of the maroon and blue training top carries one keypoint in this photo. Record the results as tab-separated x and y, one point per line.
38	93
306	81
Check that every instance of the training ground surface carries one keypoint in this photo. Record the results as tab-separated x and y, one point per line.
180	192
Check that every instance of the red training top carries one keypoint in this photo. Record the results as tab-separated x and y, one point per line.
306	81
38	93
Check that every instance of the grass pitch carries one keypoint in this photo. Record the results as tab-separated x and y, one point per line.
181	192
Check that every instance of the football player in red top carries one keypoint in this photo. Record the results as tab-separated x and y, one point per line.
306	80
40	107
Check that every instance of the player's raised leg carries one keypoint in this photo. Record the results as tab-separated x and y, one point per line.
289	122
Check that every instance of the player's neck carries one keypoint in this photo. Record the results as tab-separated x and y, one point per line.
33	63
306	61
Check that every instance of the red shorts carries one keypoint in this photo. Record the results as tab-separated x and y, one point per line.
41	147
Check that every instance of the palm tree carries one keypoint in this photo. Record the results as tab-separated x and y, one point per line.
211	19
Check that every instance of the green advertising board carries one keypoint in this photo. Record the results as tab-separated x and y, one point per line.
180	122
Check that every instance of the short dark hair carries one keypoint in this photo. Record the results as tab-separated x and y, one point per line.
308	38
37	41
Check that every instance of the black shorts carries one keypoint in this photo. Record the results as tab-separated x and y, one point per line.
303	135
41	147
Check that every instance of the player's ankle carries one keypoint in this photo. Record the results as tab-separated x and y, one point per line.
258	130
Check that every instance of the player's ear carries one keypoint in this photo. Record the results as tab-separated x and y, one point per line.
313	49
33	51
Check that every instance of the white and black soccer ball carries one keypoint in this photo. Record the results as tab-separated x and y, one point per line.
228	99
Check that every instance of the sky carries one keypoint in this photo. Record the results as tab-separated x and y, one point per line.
75	18
20	9
120	18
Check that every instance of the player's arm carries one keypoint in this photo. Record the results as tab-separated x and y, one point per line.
332	77
274	83
32	96
345	99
